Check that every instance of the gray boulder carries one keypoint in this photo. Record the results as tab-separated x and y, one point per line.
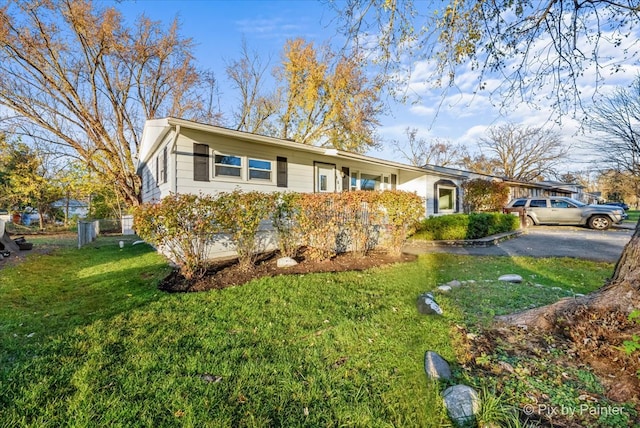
444	288
427	305
454	283
512	277
462	403
436	367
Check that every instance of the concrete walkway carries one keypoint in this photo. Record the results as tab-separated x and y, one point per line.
543	241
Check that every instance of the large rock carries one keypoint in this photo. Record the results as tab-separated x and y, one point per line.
462	403
286	262
427	305
436	367
512	277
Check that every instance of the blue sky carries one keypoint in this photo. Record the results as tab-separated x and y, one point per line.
218	28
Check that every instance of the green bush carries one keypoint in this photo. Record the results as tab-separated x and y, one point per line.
466	226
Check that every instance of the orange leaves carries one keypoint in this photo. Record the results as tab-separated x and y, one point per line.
325	223
329	99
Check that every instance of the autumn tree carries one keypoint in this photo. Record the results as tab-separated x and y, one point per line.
523	152
76	75
437	151
480	163
327	99
619	186
28	178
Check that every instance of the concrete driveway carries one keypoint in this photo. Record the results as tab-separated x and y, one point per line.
549	241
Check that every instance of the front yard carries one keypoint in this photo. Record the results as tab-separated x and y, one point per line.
87	339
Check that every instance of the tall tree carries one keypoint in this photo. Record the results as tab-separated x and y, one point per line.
437	151
616	119
539	49
257	108
328	100
524	152
80	77
28	178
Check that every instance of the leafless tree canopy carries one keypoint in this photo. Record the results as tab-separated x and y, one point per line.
616	119
524	153
78	76
418	151
539	49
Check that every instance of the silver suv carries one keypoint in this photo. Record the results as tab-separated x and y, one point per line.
562	210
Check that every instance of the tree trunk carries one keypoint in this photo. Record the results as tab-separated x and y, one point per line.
621	293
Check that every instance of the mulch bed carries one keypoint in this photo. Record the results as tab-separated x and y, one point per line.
227	273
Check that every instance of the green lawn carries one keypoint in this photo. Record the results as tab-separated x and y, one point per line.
634	216
86	339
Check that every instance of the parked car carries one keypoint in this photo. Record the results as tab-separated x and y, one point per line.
618	204
563	210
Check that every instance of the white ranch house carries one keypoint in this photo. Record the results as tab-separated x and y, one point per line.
181	156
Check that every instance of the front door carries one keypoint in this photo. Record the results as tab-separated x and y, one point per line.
325	177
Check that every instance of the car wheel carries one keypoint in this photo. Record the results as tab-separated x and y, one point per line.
599	222
528	221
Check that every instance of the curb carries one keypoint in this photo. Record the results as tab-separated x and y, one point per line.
487	241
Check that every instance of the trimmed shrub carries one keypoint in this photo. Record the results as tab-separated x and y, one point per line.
242	214
284	221
184	226
466	226
401	212
484	195
446	227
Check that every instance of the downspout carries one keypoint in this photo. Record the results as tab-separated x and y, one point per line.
174	144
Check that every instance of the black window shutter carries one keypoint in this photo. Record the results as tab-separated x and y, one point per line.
282	172
346	179
200	162
394	181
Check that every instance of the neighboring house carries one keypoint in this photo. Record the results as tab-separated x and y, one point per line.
518	188
180	156
76	208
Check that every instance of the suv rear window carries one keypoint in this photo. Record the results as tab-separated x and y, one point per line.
519	203
538	203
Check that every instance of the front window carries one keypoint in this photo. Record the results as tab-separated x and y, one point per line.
519	203
369	182
259	170
228	166
446	199
354	181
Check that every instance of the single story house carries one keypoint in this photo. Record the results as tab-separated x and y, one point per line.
181	156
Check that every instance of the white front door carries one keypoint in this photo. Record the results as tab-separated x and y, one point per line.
325	177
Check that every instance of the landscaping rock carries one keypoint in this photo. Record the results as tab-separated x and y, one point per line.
285	262
444	288
454	283
436	367
427	305
462	403
511	278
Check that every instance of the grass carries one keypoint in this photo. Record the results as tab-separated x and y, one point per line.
87	340
634	216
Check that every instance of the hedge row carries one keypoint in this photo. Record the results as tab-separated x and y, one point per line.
187	225
466	226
